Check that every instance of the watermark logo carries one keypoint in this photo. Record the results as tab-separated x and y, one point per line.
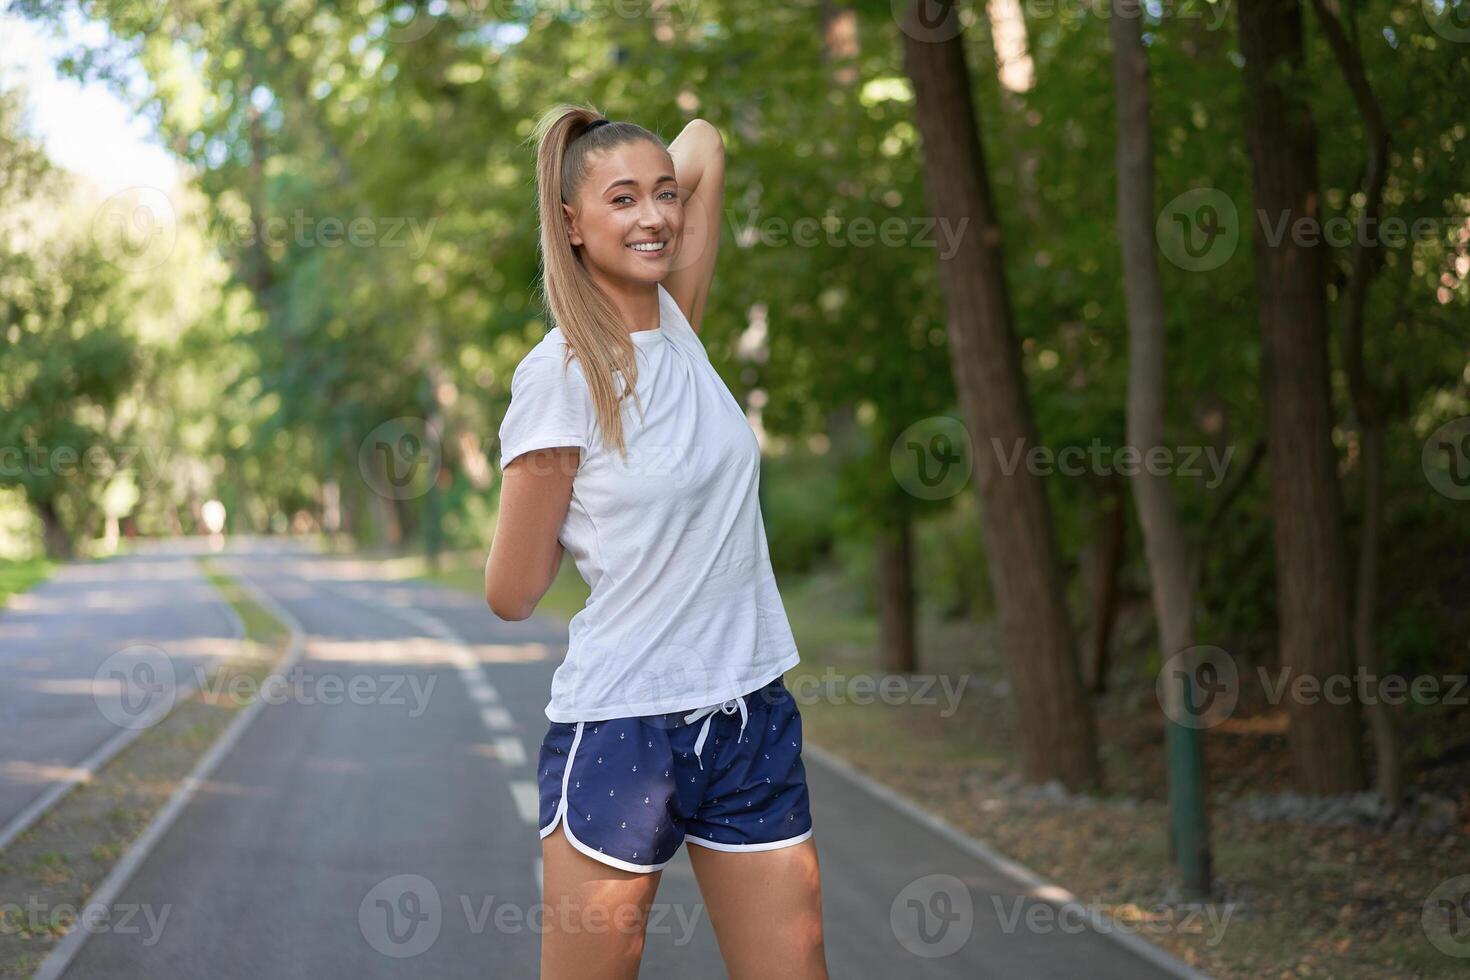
1072	918
400	459
1100	459
136	228
1445	918
1450	19
135	687
38	918
1446	458
96	462
397	22
933	916
834	687
1199	230
829	231
928	20
401	916
299	686
1198	687
932	458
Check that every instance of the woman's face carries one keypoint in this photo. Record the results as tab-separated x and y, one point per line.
629	196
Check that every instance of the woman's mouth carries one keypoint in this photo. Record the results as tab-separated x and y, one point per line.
651	248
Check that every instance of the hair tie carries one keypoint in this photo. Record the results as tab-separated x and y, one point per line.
595	123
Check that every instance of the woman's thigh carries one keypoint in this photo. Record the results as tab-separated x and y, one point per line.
766	909
595	916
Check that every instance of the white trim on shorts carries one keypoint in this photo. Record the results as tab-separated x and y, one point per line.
561	806
767	846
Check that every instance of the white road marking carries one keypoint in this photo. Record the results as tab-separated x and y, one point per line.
496	719
509	750
483	693
528	800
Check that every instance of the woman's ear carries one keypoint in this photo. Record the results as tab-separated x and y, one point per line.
571	217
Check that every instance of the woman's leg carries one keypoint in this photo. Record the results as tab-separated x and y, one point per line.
766	908
595	915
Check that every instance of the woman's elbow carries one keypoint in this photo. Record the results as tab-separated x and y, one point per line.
504	598
512	608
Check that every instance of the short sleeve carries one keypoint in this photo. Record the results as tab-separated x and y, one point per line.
549	406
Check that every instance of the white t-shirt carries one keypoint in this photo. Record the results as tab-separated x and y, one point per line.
684	610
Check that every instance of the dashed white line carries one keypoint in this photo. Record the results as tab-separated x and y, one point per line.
482	692
496	719
509	750
528	800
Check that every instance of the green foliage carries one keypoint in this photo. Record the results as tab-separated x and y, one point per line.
297	117
798	503
68	353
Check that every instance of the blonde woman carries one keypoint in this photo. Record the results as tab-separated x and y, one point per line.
669	720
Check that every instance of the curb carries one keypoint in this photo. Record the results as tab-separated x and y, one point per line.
62	954
1040	888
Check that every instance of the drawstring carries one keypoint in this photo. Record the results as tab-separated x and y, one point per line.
708	714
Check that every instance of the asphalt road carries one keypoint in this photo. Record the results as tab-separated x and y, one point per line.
65	643
385	826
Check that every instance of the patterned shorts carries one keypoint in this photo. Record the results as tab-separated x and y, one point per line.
631	790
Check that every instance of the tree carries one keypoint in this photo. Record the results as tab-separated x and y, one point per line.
1163	533
1036	638
1306	500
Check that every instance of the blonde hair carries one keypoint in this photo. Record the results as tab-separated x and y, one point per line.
590	323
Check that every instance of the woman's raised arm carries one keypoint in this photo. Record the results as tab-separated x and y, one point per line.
699	167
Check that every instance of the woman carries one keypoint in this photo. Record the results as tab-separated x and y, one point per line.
622	445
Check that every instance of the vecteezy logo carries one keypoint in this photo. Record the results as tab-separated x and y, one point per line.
135	687
1450	19
136	228
1446	458
398	23
932	458
1198	687
1445	918
1199	229
933	916
927	20
401	916
400	458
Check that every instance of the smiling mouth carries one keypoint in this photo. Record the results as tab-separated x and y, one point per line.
650	248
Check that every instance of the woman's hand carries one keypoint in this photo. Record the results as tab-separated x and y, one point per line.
699	168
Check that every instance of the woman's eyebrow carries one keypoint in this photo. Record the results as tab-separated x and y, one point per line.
630	180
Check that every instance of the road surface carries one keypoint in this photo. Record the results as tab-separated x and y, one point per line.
391	832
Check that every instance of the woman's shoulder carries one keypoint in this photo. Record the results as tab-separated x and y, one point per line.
547	364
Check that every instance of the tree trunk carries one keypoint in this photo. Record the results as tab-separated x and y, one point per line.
1056	730
894	580
1107	558
55	537
1365	264
1305	498
1158	517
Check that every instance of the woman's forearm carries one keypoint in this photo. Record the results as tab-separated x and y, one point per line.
695	146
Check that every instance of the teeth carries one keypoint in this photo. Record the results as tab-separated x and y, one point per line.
649	247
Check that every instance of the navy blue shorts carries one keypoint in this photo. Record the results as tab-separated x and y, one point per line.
631	790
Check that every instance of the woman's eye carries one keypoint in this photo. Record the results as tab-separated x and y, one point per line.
625	197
